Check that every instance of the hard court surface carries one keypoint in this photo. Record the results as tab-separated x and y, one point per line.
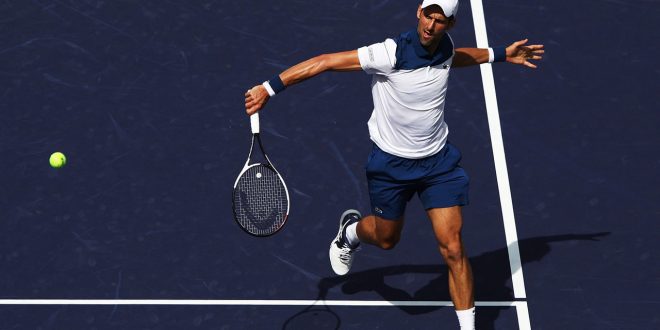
146	100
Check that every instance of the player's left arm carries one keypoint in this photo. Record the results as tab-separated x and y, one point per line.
517	53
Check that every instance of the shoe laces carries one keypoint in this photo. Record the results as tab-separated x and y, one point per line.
346	252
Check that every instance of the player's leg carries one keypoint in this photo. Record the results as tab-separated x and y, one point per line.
389	196
447	224
444	192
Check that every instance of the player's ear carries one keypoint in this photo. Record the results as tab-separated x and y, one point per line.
419	11
452	22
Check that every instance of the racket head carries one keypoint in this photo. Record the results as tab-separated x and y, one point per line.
260	200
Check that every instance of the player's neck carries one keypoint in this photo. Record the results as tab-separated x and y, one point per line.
432	47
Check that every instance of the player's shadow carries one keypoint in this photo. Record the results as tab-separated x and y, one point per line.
490	284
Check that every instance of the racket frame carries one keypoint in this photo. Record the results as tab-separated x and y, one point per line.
254	126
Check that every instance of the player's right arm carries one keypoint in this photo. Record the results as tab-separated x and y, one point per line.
257	96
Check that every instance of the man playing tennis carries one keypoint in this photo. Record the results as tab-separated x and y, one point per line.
410	152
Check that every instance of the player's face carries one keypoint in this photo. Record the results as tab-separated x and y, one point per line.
432	25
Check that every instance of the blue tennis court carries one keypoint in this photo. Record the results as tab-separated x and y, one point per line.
145	98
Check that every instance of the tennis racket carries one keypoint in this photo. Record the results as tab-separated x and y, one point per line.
260	198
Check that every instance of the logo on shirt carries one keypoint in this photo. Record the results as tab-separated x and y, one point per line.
378	210
371	54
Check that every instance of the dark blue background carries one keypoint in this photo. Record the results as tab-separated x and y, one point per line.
146	100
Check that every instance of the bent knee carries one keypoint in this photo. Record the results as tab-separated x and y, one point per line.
388	233
388	243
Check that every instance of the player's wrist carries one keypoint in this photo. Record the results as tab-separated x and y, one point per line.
268	88
497	54
274	86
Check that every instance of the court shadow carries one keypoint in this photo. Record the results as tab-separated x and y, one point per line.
491	271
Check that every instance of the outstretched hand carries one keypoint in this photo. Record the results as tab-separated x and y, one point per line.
519	53
255	99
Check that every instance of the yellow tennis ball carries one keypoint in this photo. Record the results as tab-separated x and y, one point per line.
57	160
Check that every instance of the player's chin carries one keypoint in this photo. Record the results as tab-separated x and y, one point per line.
427	42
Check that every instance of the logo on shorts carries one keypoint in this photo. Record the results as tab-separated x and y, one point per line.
378	210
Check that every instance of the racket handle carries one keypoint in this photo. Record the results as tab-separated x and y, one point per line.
254	123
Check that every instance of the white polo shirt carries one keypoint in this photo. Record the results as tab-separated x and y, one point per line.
408	88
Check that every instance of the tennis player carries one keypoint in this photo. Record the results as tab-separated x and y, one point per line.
410	152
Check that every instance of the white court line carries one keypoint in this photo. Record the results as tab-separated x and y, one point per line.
500	166
256	302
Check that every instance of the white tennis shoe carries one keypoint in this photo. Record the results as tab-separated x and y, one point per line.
341	253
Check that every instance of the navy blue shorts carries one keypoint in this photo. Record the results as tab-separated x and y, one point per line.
438	180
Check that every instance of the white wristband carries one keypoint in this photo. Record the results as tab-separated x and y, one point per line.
269	89
491	55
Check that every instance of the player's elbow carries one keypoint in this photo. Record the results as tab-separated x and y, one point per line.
342	61
323	62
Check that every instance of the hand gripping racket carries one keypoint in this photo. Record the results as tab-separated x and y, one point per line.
261	199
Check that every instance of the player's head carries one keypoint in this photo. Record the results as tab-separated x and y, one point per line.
435	18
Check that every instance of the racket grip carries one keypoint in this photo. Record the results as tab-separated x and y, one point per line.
254	123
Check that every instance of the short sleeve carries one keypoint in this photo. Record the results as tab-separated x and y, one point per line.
378	58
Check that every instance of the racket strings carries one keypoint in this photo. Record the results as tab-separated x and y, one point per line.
261	201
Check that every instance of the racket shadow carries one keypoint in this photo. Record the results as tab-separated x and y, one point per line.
313	318
317	316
